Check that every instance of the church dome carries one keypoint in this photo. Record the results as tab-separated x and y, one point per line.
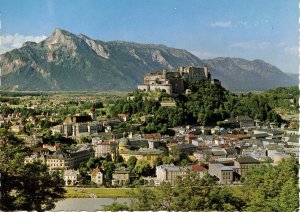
124	142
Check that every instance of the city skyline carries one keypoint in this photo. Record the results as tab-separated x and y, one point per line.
264	30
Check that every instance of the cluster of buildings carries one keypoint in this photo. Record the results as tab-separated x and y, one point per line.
75	126
172	81
61	157
227	152
223	152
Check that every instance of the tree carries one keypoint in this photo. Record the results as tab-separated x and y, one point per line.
109	168
271	188
131	162
25	187
179	156
145	200
167	160
142	168
116	206
98	104
158	161
190	193
94	162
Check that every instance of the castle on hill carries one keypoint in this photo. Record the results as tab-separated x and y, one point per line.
171	81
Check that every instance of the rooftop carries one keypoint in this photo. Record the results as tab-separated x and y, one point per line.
236	136
246	159
171	167
198	168
143	151
77	119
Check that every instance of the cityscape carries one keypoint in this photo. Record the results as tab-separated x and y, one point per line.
96	125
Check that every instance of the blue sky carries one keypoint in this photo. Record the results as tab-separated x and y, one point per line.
256	29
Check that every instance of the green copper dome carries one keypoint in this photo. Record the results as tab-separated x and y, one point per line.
124	142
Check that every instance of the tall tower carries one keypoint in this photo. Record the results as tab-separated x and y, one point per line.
92	112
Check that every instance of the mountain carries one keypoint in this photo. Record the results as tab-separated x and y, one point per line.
293	75
65	62
239	74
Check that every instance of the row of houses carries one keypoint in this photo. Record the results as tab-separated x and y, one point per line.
228	172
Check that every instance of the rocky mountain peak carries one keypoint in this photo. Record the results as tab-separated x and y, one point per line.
99	49
65	61
61	38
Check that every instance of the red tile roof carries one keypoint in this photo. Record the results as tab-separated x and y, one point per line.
95	171
198	168
153	136
192	136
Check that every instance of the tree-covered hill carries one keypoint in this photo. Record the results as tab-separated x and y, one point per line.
205	105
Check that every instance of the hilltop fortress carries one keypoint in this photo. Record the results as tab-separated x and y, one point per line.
171	81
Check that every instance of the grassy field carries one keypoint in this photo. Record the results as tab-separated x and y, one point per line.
73	192
98	192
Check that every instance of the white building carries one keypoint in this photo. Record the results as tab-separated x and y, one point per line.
71	177
103	148
169	173
224	173
97	176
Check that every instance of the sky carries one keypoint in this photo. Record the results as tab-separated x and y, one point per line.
256	29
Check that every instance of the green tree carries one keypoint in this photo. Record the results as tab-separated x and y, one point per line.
190	193
269	188
158	161
167	160
142	168
131	162
116	206
109	169
25	187
145	200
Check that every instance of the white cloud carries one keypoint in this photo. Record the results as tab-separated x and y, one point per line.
228	24
292	50
251	45
222	24
9	42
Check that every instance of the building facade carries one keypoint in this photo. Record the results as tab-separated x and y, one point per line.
97	176
120	176
172	81
62	159
243	164
222	172
78	126
71	177
102	149
169	173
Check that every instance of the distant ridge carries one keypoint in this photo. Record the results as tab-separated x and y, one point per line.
238	74
67	62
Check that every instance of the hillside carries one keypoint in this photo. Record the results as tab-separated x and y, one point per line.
68	62
243	75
